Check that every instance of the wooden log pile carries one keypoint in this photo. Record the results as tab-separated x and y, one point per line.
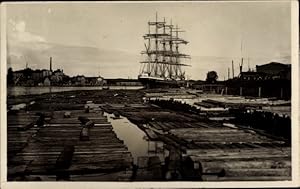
242	154
224	153
56	151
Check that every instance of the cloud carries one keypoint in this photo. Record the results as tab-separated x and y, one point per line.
20	26
49	10
19	34
20	42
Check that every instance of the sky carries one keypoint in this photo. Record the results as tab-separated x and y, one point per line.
106	38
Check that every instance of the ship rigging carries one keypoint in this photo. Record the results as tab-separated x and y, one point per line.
163	60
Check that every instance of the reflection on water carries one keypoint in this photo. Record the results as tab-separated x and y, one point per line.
135	139
16	91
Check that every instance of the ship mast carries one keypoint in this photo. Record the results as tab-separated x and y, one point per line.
163	63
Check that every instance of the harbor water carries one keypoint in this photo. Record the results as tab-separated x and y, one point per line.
17	91
135	139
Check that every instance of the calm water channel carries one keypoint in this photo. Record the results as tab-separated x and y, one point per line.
16	91
136	140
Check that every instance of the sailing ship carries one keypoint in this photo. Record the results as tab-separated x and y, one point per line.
162	64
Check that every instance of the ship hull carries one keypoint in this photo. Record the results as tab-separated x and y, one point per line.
156	83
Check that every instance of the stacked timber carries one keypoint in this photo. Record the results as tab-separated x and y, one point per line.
148	168
20	129
55	151
243	155
223	153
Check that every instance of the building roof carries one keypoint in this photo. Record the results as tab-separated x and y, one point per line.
274	64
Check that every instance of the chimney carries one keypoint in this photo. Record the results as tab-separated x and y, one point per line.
50	63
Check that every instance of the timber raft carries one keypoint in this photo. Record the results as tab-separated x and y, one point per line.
62	149
218	151
224	152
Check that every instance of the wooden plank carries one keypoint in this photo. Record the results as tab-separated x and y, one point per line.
19	135
19	138
246	164
103	160
75	124
101	152
104	155
16	169
155	125
29	158
37	153
251	178
225	139
151	134
237	151
154	167
241	156
98	168
259	172
65	157
75	120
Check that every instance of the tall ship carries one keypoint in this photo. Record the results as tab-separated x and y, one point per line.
162	61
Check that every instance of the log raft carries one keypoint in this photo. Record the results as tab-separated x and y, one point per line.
65	149
240	154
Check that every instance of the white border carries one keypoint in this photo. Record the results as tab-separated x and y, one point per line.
295	91
3	129
244	184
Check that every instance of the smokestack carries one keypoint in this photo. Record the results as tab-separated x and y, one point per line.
50	63
241	66
249	65
228	73
232	70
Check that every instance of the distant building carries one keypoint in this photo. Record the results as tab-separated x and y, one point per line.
78	80
57	76
276	70
46	73
101	81
269	80
18	74
47	82
250	76
37	75
271	71
95	81
58	72
23	77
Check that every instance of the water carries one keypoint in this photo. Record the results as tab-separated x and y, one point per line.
17	91
135	139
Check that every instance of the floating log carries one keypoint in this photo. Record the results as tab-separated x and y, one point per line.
84	134
89	124
188	170
83	119
64	162
67	114
151	134
26	127
154	166
250	178
65	157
